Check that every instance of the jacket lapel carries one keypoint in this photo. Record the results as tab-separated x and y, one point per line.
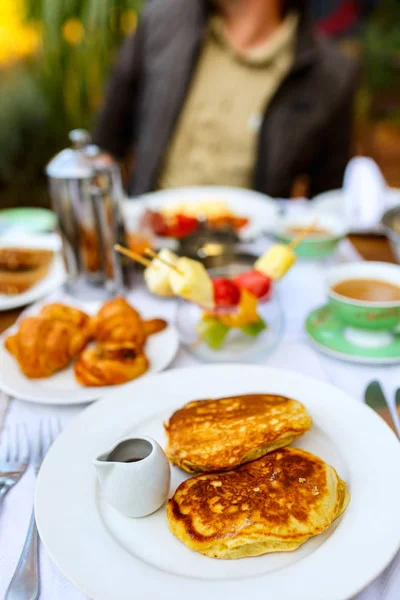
291	106
168	71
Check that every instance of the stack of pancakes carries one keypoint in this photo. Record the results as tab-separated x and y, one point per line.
255	494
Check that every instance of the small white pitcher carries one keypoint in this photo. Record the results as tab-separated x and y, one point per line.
134	475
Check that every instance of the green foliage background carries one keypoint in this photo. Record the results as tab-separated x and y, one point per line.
381	43
58	89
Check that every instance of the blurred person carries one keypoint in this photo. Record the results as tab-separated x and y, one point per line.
229	92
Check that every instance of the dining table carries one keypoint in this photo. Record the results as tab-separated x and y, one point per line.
294	352
370	247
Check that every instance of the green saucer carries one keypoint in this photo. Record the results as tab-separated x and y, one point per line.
32	220
333	338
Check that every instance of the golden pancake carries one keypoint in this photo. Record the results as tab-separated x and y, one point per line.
216	435
273	504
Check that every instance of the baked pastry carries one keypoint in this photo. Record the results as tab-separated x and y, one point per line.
273	504
76	319
18	259
19	281
21	268
69	314
117	321
152	326
110	363
43	346
49	341
216	435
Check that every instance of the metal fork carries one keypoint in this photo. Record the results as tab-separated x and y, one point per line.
24	584
14	457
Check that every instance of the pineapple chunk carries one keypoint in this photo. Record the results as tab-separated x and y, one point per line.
276	261
246	313
192	282
157	274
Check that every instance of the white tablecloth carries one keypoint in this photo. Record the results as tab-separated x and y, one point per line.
301	291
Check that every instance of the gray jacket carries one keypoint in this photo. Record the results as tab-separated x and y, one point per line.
306	128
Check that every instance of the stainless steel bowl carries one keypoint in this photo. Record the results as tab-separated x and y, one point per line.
391	225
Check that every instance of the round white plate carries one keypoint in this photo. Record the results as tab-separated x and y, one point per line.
53	280
109	556
62	388
260	209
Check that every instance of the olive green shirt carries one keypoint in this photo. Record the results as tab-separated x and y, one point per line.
215	140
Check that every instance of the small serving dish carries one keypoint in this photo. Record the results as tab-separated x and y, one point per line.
327	231
134	476
233	344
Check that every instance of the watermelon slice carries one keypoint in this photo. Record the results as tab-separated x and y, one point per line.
226	293
254	282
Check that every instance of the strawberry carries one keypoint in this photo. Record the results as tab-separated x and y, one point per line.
254	282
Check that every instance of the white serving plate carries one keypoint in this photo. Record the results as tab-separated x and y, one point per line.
62	387
110	556
260	209
54	279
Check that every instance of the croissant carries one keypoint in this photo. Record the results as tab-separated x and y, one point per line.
42	346
76	319
117	321
110	363
152	326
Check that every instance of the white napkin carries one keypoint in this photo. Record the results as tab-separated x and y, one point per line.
364	191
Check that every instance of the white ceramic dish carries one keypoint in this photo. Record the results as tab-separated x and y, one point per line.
109	556
53	280
134	475
259	208
62	388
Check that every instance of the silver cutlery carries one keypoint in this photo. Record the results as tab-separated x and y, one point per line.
14	457
375	399
25	584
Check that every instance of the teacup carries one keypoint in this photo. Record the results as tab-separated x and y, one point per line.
329	231
362	314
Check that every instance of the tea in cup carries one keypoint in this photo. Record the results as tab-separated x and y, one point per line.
366	295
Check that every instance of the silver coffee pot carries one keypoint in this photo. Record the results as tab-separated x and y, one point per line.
87	193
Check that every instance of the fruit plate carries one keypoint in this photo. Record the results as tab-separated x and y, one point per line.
110	556
199	336
261	210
